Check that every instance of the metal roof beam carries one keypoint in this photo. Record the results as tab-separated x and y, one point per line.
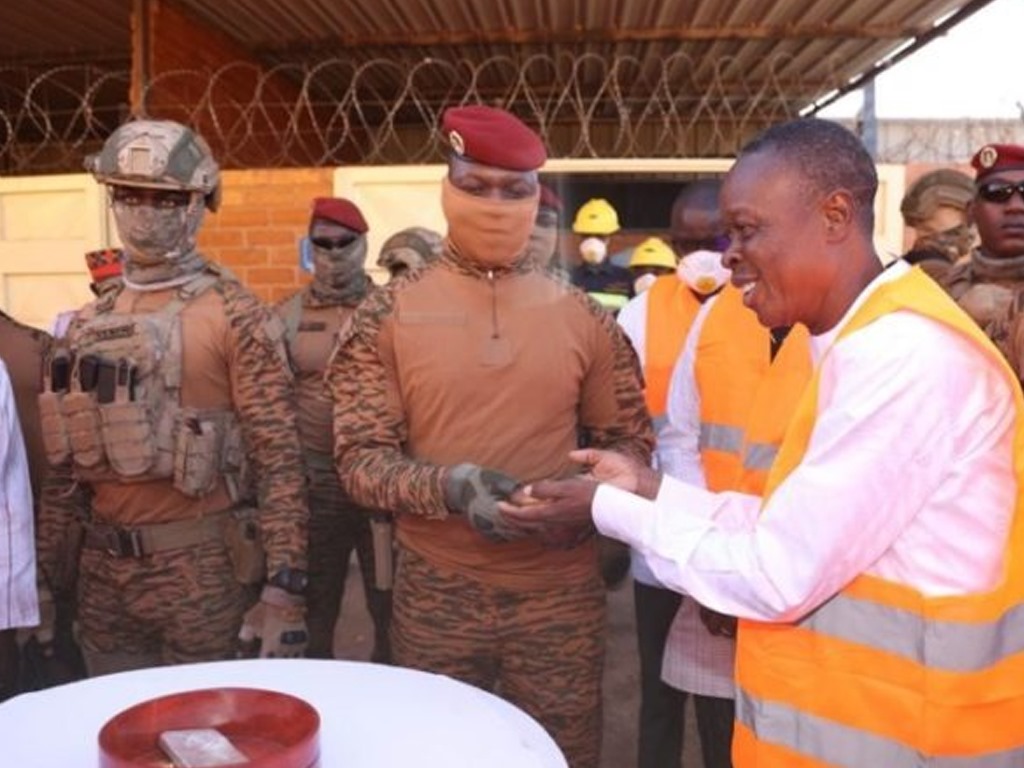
510	36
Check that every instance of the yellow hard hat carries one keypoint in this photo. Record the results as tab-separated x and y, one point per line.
596	217
653	252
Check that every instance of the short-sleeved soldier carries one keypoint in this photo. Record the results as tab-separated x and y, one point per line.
171	403
453	384
312	317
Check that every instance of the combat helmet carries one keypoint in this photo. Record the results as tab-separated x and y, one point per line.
158	154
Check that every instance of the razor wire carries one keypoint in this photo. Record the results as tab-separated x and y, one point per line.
341	111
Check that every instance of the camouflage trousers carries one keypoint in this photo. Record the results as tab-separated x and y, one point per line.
336	529
542	650
173	607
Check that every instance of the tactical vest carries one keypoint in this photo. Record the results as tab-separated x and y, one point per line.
881	674
112	402
310	334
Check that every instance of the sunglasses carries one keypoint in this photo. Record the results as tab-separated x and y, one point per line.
331	243
1000	191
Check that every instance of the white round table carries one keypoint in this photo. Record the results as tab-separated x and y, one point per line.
371	716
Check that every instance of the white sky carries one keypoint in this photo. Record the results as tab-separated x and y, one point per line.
976	70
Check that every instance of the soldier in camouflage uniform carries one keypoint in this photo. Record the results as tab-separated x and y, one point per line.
337	233
990	285
409	249
935	207
169	400
454	384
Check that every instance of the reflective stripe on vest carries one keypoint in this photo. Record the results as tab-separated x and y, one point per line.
759	456
835	744
882	675
671	310
720	437
946	645
773	408
730	361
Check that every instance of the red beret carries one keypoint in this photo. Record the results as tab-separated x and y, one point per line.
548	198
103	263
493	137
340	211
998	157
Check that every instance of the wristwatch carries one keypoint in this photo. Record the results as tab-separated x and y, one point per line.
290	580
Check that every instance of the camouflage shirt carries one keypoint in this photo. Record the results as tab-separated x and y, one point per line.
503	368
233	358
990	291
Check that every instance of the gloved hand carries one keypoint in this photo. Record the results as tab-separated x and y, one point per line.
475	491
718	624
275	626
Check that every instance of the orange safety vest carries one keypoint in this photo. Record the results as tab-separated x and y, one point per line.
732	358
881	675
671	309
773	406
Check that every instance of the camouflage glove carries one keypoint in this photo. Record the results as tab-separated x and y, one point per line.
275	627
475	492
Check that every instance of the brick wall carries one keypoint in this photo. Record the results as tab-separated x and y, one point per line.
201	77
255	233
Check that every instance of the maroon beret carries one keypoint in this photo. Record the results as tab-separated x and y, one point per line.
340	211
548	198
997	157
493	137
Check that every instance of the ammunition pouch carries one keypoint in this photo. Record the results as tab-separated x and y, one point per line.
54	428
140	541
207	444
85	434
244	541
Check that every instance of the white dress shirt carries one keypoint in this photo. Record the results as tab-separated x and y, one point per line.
908	476
695	661
632	318
19	604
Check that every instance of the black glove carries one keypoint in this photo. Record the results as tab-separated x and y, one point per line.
475	492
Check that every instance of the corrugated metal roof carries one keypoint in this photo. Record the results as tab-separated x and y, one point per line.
797	48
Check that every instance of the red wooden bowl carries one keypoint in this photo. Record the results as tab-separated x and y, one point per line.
272	729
